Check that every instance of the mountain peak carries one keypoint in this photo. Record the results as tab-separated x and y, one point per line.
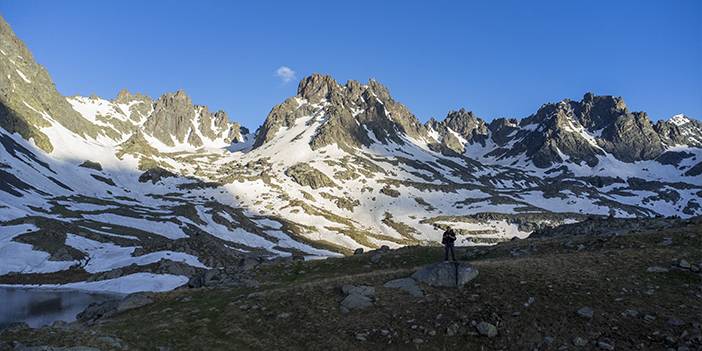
125	97
316	87
680	120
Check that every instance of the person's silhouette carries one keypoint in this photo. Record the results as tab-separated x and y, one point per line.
448	240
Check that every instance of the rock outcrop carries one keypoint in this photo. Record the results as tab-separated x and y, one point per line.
307	175
446	274
353	114
175	120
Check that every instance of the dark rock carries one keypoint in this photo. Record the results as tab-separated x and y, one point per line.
585	312
446	274
486	329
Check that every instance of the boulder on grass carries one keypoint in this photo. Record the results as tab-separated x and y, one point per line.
446	274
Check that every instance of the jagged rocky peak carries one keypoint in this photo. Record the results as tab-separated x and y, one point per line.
126	97
176	120
596	112
138	106
465	123
582	130
172	120
353	114
680	130
457	125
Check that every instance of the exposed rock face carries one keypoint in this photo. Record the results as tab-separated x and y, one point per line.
176	120
171	121
307	175
632	138
138	106
680	130
580	131
353	115
460	124
357	297
28	97
446	274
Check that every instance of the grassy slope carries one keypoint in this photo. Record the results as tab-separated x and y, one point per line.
297	304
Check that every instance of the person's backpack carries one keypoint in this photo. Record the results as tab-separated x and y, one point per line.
449	237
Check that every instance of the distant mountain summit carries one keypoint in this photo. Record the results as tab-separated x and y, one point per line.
134	187
355	115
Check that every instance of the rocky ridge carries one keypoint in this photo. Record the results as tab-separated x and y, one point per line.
177	192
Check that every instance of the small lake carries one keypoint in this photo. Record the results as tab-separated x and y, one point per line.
38	307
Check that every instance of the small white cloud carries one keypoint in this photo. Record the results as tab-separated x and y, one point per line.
285	74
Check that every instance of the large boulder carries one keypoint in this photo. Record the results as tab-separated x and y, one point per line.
357	297
307	175
107	309
134	301
446	274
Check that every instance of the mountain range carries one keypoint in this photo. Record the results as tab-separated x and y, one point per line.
157	191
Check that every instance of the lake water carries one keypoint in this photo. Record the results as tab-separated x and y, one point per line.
38	307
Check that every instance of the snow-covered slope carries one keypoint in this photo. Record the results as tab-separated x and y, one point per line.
134	189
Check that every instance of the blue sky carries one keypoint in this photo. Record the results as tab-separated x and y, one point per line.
497	58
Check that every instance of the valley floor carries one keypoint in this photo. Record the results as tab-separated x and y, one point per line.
531	290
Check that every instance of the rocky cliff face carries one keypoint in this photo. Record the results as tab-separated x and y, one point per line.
353	114
680	130
459	128
573	131
176	120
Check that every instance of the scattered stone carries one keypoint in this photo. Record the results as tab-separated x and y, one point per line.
649	318
446	274
578	341
453	329
418	340
376	258
384	248
586	312
666	241
674	322
408	285
486	329
630	313
284	315
358	251
605	345
657	269
684	264
530	301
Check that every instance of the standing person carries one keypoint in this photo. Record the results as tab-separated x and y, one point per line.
448	240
